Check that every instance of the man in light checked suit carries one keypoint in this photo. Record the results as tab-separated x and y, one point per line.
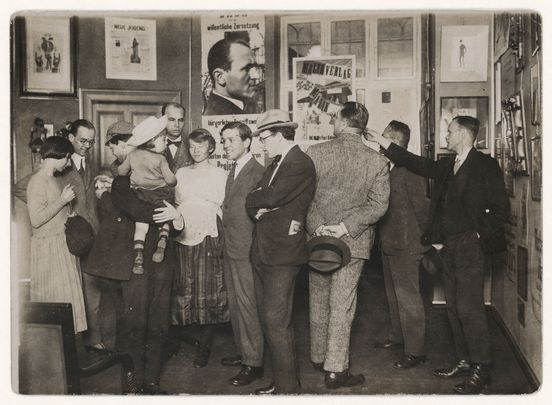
352	194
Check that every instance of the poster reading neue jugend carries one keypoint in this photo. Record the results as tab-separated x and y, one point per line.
232	74
321	86
130	49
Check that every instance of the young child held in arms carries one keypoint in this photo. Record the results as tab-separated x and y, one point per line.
152	180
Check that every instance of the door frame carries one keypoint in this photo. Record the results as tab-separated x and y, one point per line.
88	98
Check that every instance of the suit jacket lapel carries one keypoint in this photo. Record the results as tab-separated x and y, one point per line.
232	185
284	162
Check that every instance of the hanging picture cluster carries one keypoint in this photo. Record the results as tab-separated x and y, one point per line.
518	138
464	58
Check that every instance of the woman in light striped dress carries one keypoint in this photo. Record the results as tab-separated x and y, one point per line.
55	275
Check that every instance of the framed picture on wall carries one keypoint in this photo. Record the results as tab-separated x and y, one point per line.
464	53
501	34
536	169
48	56
536	95
477	107
536	32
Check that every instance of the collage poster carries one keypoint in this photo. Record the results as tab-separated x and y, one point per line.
321	86
232	76
130	49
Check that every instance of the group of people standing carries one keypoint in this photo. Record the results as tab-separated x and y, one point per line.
228	247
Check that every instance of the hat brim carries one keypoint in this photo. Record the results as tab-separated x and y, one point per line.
276	124
329	242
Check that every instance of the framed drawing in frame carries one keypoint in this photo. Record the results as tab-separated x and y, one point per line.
48	47
536	94
464	53
477	107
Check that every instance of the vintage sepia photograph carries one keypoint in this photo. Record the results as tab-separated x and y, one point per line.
308	205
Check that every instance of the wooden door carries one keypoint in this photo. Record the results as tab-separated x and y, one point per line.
105	107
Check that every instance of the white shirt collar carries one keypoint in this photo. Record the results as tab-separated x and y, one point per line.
78	161
241	162
463	156
237	102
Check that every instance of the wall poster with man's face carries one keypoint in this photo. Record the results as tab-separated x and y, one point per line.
232	74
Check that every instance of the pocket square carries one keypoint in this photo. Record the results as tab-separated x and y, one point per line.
295	227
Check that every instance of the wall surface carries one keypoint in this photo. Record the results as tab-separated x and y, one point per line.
523	317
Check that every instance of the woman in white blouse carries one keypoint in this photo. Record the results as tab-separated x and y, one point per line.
199	295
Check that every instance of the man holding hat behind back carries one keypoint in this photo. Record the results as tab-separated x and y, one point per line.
352	193
279	205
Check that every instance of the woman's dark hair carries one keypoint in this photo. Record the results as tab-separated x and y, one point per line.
56	147
201	135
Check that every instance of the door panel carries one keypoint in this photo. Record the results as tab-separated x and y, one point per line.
105	107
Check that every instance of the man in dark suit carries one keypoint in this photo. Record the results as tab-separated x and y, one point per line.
402	250
279	206
468	210
142	302
178	147
232	69
81	176
238	235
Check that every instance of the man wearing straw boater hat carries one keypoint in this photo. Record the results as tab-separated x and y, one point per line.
352	193
279	206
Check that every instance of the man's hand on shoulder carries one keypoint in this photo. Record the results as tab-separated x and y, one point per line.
372	135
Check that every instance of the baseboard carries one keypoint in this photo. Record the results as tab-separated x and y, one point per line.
522	361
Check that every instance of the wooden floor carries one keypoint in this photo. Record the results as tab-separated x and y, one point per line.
180	377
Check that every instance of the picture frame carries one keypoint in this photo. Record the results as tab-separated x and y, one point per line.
536	169
522	261
477	107
516	134
464	53
501	34
498	92
48	56
536	33
536	94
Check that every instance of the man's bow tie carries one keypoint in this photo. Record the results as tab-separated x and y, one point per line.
276	159
175	143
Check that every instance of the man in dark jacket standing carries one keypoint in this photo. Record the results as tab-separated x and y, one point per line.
279	206
402	250
142	301
468	210
238	272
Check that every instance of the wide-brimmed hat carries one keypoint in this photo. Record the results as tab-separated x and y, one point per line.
118	128
327	253
273	118
147	130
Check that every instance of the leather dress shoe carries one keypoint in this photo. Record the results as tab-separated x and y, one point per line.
152	389
270	390
478	379
461	368
409	361
99	349
318	366
202	356
387	344
334	380
235	361
246	376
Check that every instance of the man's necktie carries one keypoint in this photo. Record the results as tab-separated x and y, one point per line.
175	143
457	164
232	173
275	161
81	169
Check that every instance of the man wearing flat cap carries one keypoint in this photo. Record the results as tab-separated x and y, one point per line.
279	205
352	193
